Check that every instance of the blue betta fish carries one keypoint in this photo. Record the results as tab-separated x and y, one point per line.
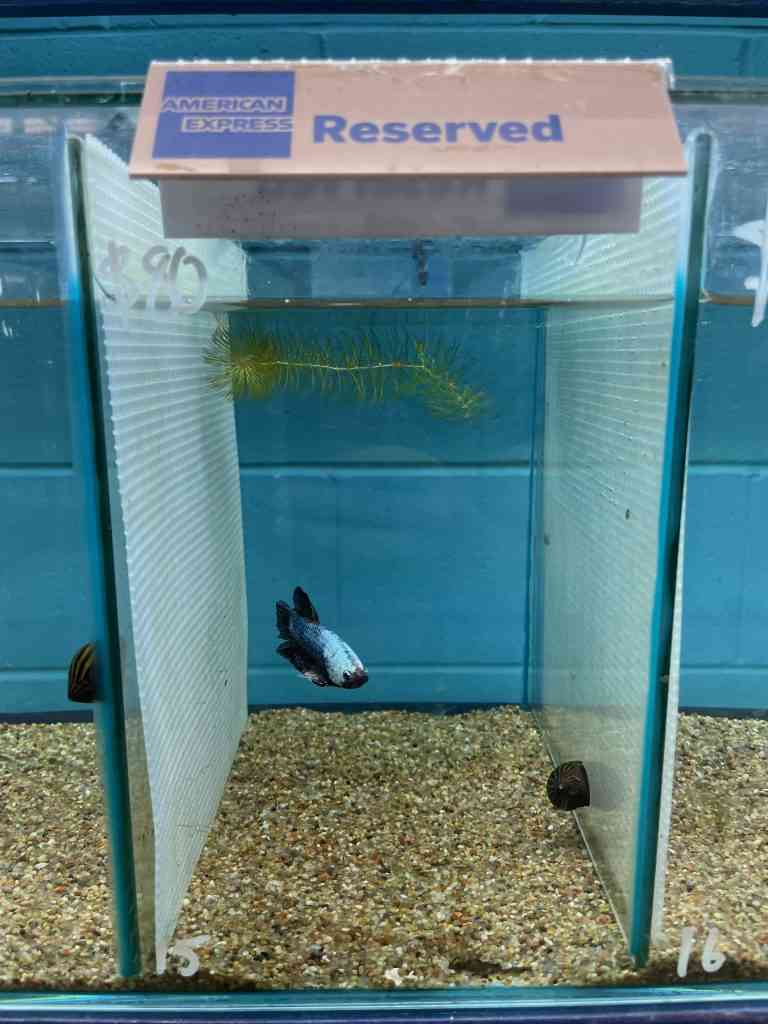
313	650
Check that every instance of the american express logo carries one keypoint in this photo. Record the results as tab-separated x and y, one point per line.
232	114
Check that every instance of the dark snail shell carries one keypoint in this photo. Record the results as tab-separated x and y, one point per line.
568	786
81	680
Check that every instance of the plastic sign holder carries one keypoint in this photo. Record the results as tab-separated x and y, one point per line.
323	149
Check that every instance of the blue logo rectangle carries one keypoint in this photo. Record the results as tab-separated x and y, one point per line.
246	114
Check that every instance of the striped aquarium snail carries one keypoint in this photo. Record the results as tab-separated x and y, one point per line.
568	786
81	679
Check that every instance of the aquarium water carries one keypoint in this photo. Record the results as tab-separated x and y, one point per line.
342	613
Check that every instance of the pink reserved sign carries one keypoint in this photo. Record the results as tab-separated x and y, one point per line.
274	138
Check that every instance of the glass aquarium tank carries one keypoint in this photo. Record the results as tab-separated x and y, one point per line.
380	612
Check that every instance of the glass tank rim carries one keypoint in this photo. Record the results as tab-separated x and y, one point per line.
111	89
343	1004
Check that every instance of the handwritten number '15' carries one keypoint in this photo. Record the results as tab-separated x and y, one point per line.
184	949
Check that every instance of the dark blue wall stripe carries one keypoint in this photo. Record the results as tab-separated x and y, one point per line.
730	9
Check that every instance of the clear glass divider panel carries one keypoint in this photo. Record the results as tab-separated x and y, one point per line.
599	478
176	527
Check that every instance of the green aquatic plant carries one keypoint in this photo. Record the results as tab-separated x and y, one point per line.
258	363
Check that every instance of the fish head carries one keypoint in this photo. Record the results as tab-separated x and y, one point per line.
351	680
343	667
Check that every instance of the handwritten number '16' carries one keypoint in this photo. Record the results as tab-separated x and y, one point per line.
711	959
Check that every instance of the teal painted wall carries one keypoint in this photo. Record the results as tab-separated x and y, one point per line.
124	45
44	604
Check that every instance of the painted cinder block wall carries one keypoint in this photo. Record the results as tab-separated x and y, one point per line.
45	609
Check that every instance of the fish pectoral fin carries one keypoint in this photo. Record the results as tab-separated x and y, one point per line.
303	663
303	605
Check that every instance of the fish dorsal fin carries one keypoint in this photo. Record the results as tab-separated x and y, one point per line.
284	620
304	606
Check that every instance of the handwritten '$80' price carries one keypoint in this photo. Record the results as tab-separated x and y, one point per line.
117	278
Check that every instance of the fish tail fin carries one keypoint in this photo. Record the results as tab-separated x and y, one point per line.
284	620
303	605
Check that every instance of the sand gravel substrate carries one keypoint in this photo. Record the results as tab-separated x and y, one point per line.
383	849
